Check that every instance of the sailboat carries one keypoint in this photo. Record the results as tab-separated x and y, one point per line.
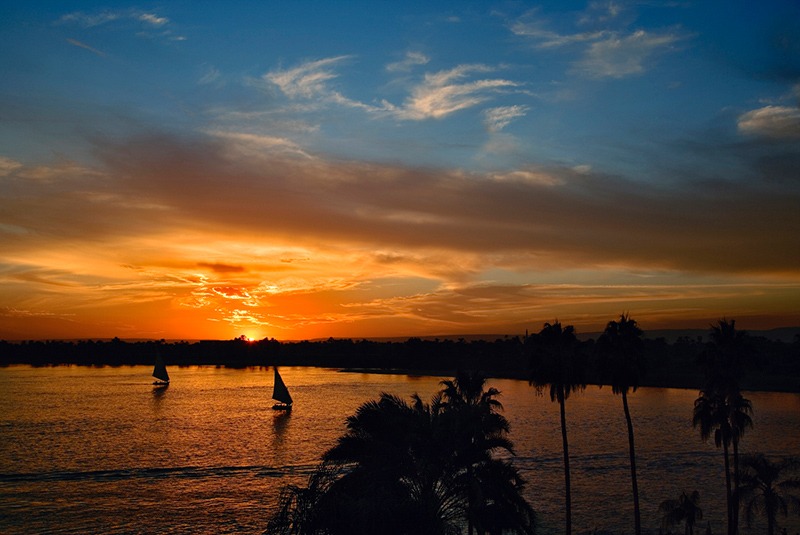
281	394
160	372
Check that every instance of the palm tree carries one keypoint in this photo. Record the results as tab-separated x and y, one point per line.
724	360
621	353
301	510
769	488
423	468
684	509
726	356
389	452
557	363
472	418
725	417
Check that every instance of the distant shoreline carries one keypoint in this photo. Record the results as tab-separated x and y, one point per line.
668	364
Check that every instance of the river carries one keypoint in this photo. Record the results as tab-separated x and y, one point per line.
97	449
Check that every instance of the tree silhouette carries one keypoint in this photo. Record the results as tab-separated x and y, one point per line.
621	352
302	510
556	363
684	510
769	488
404	468
725	417
721	404
472	419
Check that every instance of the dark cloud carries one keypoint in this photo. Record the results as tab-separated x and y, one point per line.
715	224
700	220
221	268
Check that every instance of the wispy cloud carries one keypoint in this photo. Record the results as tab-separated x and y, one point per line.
88	20
309	80
142	21
604	52
601	12
438	94
212	76
7	166
153	19
621	56
496	119
546	38
87	47
411	60
261	143
445	92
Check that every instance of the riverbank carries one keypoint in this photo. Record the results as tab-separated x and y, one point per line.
775	367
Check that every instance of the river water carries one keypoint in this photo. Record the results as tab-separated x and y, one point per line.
98	450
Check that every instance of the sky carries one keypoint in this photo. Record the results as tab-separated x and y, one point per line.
309	169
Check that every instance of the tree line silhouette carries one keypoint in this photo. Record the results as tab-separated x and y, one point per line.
669	364
433	468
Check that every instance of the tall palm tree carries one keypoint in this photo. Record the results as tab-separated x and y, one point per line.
725	417
621	353
724	360
769	488
684	510
740	410
726	356
556	363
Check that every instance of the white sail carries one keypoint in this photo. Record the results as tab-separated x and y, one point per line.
279	391
160	370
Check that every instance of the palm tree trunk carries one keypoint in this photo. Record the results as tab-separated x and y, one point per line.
728	497
771	513
470	512
736	486
568	494
637	523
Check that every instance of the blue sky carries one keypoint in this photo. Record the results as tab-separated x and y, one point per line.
432	166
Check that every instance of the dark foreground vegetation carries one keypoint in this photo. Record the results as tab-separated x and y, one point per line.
414	468
665	363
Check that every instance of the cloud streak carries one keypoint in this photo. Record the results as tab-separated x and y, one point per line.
438	95
308	80
621	56
445	92
606	52
86	47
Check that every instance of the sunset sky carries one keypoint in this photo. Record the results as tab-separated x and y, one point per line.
297	169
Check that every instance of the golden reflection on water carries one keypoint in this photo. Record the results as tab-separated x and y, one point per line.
98	449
